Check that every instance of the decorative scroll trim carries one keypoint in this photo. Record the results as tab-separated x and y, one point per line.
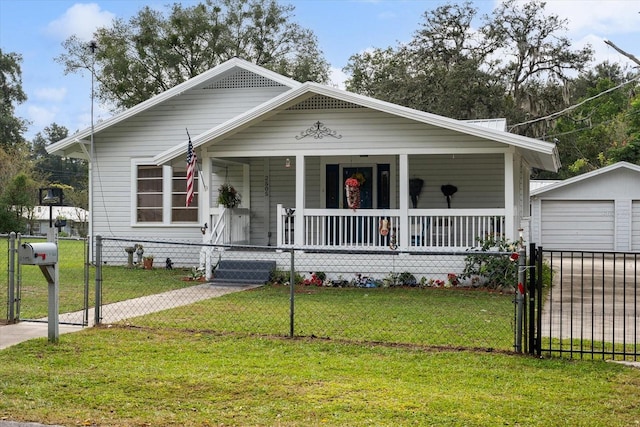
318	131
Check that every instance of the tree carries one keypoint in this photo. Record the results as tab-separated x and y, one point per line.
445	69
16	202
151	53
11	94
515	64
536	58
628	148
67	171
594	133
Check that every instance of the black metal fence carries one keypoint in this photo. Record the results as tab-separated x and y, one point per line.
427	299
591	307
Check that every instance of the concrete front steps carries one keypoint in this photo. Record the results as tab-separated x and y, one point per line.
243	272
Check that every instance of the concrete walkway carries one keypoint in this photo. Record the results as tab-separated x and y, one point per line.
116	312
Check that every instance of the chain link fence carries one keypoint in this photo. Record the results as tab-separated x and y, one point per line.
25	294
415	298
4	272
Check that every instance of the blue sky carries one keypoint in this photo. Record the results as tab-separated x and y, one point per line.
36	29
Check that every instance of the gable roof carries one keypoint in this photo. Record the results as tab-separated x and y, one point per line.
540	154
585	176
84	135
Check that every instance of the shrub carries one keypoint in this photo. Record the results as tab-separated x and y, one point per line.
493	270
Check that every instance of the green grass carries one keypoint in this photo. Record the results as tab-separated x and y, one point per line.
138	377
434	317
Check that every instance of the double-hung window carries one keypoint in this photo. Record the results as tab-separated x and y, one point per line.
160	196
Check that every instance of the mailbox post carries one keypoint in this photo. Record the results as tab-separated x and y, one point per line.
45	256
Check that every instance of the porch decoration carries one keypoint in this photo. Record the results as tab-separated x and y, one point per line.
384	227
318	130
448	190
352	189
415	188
228	196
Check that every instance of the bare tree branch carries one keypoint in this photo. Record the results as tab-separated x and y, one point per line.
622	52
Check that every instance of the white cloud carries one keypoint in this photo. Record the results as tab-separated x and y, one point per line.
337	77
51	94
81	20
41	116
597	16
594	21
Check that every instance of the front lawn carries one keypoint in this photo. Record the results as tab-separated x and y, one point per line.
143	377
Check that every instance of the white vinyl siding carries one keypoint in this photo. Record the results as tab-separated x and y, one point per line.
635	226
144	136
479	179
578	224
361	131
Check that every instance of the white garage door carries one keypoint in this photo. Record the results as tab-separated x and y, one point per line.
635	225
578	224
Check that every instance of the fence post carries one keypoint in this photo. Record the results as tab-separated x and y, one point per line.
98	308
292	284
520	297
533	295
11	294
537	282
87	267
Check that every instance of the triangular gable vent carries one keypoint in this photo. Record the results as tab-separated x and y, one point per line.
320	102
243	79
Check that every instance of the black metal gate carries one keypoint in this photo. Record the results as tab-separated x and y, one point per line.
584	304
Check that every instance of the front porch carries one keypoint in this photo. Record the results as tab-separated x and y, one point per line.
373	229
304	204
432	229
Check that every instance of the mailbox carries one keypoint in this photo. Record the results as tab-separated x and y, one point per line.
38	253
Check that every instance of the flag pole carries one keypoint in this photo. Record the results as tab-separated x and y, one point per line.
198	166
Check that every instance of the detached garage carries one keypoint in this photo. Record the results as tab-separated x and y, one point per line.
597	211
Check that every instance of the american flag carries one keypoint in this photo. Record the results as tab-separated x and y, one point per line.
191	167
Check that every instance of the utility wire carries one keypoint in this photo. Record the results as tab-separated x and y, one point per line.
584	101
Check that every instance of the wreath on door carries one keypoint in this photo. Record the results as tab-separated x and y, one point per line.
352	190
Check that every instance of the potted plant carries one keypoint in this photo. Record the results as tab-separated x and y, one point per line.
228	196
147	262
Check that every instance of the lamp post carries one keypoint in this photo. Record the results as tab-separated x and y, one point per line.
51	196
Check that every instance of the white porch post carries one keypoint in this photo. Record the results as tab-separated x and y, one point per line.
405	233
299	215
204	196
509	198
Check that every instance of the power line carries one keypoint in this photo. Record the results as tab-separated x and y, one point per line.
584	101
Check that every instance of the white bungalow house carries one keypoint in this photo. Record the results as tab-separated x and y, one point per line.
288	148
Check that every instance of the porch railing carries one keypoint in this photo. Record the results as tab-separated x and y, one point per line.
428	228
